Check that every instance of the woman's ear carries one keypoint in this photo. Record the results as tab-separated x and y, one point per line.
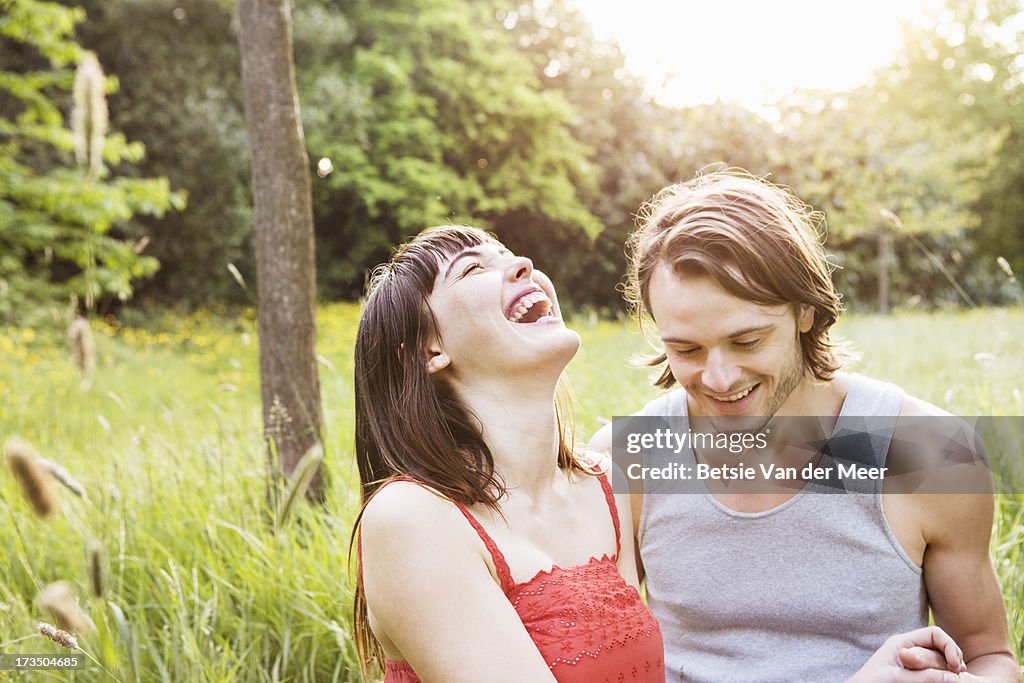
437	359
437	362
805	321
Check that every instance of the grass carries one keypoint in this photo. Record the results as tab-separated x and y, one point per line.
202	584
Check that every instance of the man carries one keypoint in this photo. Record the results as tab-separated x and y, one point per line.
782	585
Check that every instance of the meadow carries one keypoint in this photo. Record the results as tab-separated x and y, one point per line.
186	573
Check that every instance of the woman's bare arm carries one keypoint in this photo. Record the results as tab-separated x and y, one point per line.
432	596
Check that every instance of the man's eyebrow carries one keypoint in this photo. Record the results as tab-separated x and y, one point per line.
735	335
451	266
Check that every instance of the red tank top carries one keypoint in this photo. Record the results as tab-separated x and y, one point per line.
588	623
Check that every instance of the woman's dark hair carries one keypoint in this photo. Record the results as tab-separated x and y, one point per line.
408	423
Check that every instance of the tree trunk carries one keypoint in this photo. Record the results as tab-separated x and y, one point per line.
285	265
884	250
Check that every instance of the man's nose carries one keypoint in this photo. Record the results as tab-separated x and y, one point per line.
720	372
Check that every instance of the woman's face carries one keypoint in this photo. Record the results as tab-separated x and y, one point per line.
495	314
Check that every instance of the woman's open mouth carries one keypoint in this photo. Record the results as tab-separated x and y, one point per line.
530	307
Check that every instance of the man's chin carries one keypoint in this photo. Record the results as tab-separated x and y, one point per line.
753	423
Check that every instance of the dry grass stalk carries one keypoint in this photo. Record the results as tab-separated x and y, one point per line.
63	476
299	482
60	599
83	348
62	638
35	482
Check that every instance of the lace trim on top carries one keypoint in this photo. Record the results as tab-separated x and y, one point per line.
574	614
501	565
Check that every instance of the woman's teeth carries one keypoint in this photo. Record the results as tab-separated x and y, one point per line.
528	302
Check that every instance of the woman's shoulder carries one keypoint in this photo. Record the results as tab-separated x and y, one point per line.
410	536
405	504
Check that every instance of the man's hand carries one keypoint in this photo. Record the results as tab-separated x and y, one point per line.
927	655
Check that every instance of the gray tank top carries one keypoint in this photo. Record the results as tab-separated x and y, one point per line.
805	591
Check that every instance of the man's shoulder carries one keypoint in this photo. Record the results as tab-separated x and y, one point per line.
671	403
917	407
911	406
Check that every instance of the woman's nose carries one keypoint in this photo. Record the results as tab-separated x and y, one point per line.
520	268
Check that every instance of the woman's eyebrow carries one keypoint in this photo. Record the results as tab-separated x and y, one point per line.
468	252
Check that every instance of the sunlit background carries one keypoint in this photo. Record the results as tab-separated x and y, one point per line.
127	233
751	52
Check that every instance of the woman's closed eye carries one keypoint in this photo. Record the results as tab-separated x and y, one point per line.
747	343
471	267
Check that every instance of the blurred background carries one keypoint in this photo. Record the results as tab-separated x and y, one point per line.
141	506
547	122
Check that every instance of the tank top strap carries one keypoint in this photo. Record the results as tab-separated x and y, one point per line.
609	496
500	565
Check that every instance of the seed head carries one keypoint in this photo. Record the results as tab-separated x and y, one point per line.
35	482
97	571
60	599
89	115
62	638
83	348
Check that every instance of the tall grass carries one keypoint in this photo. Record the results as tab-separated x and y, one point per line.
202	582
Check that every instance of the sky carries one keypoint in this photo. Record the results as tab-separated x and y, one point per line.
697	51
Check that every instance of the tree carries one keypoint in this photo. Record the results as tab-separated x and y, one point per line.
964	72
883	175
285	260
60	222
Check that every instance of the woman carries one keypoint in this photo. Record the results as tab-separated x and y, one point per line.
489	549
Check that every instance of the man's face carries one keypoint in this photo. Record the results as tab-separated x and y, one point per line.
733	357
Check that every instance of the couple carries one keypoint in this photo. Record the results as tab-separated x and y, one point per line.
491	550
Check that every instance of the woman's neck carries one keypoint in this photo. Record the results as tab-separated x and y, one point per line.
520	428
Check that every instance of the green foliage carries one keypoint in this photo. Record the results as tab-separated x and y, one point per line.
855	157
204	586
514	116
179	69
429	115
59	224
617	120
965	72
426	114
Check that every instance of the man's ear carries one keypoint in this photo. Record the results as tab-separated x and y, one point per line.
805	319
437	359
